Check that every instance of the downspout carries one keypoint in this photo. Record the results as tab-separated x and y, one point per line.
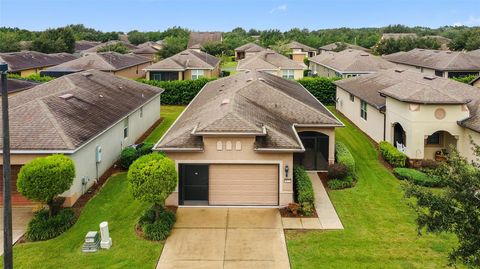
384	125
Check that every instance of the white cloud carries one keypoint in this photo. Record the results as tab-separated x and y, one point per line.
471	21
280	8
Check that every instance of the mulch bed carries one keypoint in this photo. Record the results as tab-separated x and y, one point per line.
285	213
149	131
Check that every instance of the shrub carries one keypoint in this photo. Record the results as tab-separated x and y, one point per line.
429	164
157	229
33	77
392	155
337	184
304	189
44	227
128	156
417	177
321	87
144	149
337	170
345	157
178	92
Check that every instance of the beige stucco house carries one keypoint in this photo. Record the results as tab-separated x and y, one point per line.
274	63
123	65
198	39
439	63
100	46
347	63
237	141
340	46
423	115
298	51
186	65
247	50
476	82
25	63
88	116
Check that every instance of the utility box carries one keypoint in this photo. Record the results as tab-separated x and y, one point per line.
92	242
98	154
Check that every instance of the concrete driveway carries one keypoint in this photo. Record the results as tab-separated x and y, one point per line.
226	238
20	218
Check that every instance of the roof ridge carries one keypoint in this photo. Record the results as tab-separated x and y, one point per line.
104	60
55	124
451	60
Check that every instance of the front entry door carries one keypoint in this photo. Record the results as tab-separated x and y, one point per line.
193	185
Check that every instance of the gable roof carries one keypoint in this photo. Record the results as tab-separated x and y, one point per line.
437	59
108	43
475	52
25	60
17	85
249	103
298	45
67	112
104	61
82	45
250	47
269	60
351	61
198	39
187	59
333	46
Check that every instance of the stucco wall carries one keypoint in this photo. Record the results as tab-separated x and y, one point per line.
321	70
477	83
134	71
299	56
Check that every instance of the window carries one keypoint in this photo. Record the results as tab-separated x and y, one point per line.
156	76
438	73
125	128
352	97
141	112
288	74
433	139
363	109
196	74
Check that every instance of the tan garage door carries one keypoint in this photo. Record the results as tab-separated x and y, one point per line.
243	184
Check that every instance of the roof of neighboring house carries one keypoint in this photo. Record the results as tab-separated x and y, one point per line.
145	50
17	85
269	60
475	52
335	45
25	60
398	35
249	103
67	112
474	80
436	59
82	45
250	47
187	59
104	61
351	61
111	42
298	45
198	39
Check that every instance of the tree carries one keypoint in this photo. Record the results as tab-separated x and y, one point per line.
172	45
136	37
55	40
456	209
43	179
117	47
214	48
152	178
281	47
9	42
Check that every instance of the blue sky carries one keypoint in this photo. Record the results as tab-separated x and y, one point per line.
223	15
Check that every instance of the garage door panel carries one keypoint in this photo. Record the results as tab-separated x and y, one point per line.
235	184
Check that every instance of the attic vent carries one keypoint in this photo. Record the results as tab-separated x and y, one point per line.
66	96
225	101
399	70
430	77
86	74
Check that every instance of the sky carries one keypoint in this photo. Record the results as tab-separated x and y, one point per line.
224	15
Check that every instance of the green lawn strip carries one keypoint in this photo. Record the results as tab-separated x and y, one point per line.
229	65
380	229
169	115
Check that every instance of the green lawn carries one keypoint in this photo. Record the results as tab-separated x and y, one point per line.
169	114
380	230
229	66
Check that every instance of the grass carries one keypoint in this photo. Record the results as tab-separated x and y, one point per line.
229	66
169	114
380	229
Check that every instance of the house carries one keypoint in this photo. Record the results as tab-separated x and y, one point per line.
198	39
439	63
475	82
339	46
347	63
88	116
397	36
82	45
247	50
17	85
237	141
475	53
298	51
421	114
25	63
186	65
94	49
273	63
124	65
148	49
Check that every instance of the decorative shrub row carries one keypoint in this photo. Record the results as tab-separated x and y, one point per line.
157	229
304	190
44	227
417	177
392	155
321	87
345	157
130	154
338	184
178	92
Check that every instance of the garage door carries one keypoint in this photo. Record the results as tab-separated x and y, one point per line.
17	198
243	184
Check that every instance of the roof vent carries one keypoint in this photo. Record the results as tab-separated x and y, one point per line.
225	101
184	53
399	70
101	96
87	74
66	96
261	79
364	54
248	71
449	52
430	77
249	79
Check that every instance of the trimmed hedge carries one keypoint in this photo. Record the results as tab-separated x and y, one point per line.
321	87
392	155
304	190
178	92
338	184
44	227
416	177
345	157
158	229
130	154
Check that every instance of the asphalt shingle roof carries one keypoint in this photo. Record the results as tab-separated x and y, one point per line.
198	39
187	59
269	60
24	60
352	61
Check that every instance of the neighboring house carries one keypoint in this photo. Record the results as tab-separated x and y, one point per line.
339	46
273	63
475	53
25	63
298	51
124	65
421	114
397	36
347	63
247	50
148	49
237	141
94	49
476	82
186	65
89	116
439	63
15	86
82	45
198	39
